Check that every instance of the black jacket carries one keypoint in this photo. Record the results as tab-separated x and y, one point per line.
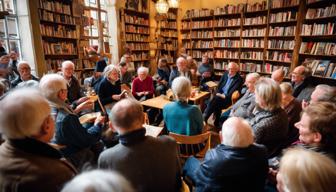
228	168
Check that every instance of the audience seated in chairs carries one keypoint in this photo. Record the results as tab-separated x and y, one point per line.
304	170
235	165
98	181
28	163
229	83
150	164
142	86
269	121
69	132
162	79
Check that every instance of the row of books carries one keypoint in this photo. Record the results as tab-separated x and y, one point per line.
54	17
198	34
229	9
318	48
226	54
283	17
171	15
199	54
256	7
227	22
53	65
169	24
228	43
255	20
281	44
87	64
169	58
137	37
170	46
169	33
58	31
279	56
322	68
138	46
269	68
284	3
198	13
252	55
136	29
140	56
256	43
136	20
321	12
254	32
201	44
55	6
228	33
59	48
282	31
319	29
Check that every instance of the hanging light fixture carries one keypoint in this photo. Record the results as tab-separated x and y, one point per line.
173	3
162	6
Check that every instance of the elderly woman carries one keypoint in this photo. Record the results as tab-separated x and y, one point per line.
26	158
179	116
163	77
293	110
69	131
109	89
270	123
304	170
142	86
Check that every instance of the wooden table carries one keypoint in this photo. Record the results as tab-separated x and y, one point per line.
156	102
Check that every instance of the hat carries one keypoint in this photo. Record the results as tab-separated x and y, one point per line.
100	66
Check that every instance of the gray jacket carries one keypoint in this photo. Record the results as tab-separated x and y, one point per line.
244	106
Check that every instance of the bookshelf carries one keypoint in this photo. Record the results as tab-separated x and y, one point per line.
168	36
135	28
318	36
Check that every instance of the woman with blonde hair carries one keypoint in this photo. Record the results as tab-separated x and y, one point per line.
306	170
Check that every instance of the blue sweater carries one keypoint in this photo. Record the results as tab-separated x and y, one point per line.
182	118
106	89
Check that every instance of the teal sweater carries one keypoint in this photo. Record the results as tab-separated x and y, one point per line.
182	118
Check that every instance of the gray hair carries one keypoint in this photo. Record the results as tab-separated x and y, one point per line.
51	85
269	91
126	114
255	76
23	63
68	62
179	60
181	88
286	88
328	93
143	69
23	112
98	181
236	132
109	69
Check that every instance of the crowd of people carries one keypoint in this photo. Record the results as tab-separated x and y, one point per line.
277	135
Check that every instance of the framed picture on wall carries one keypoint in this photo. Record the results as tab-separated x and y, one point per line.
132	4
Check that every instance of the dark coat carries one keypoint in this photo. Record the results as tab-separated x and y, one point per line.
175	73
304	90
74	90
236	84
30	165
106	89
150	164
228	168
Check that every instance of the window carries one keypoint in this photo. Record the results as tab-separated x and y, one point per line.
9	31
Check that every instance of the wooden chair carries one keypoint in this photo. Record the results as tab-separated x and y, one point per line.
204	138
234	98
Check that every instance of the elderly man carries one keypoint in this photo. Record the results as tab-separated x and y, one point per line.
278	75
75	139
235	165
230	82
127	58
25	74
205	70
150	164
182	70
143	86
322	92
301	76
74	89
26	158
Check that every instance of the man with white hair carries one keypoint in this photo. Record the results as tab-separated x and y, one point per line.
181	70
230	82
25	74
74	89
235	165
26	157
322	92
142	86
150	164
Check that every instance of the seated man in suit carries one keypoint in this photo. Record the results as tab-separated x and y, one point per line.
229	82
182	70
235	165
150	164
300	78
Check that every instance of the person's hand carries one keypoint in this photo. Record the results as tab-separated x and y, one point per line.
140	93
86	105
82	99
304	104
116	97
220	95
146	92
99	120
164	82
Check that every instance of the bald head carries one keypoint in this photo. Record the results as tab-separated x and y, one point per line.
127	115
236	132
278	75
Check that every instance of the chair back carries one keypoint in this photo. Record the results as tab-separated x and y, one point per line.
202	139
235	96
